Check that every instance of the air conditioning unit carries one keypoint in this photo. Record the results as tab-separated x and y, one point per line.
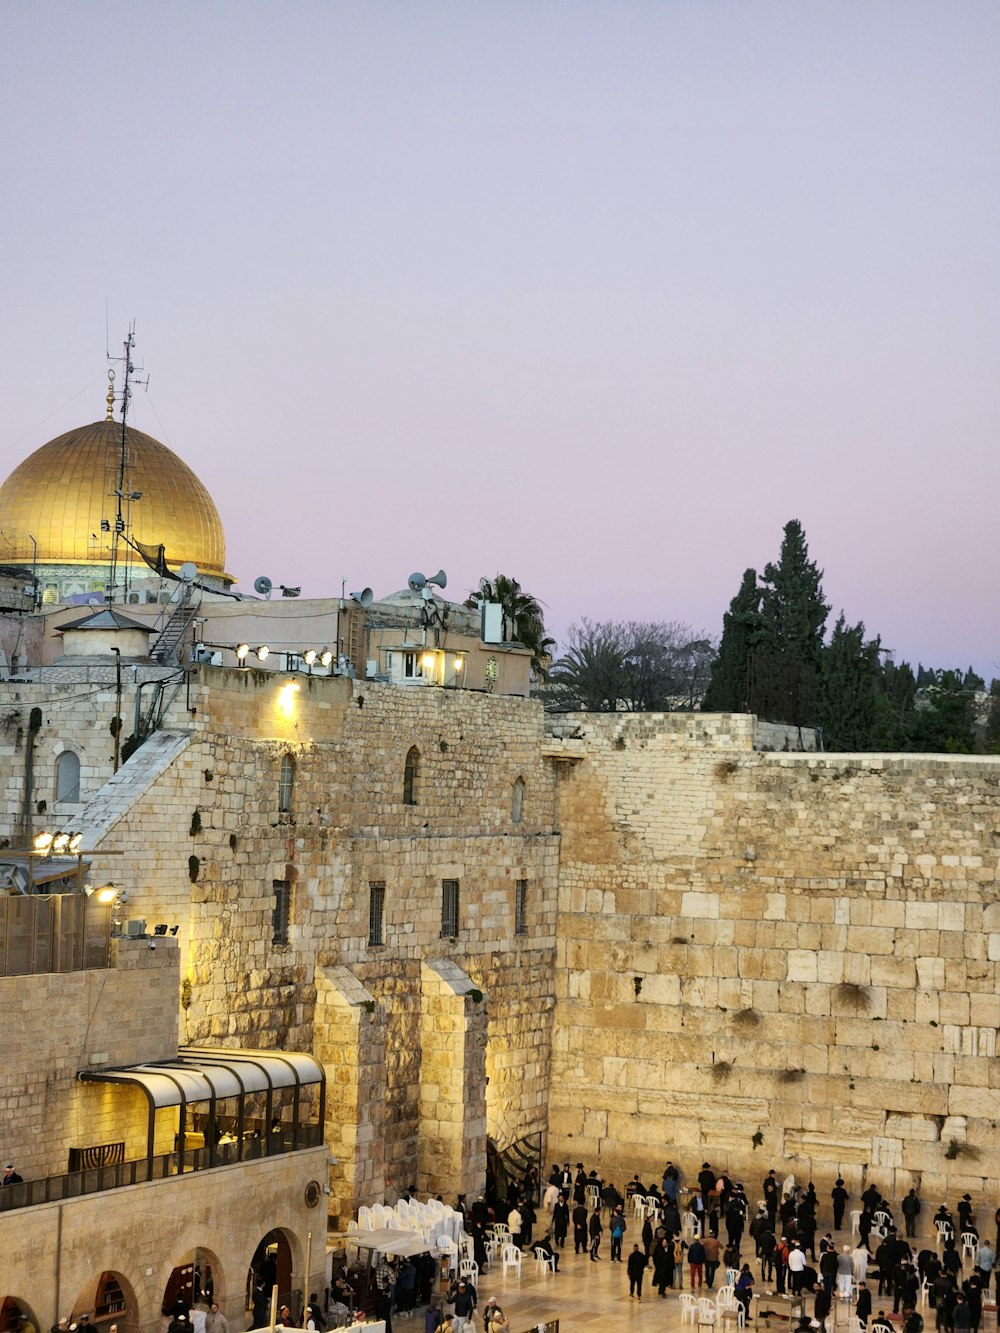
135	929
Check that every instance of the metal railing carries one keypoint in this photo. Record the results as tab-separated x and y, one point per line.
76	1184
57	932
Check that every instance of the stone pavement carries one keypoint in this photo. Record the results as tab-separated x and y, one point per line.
586	1295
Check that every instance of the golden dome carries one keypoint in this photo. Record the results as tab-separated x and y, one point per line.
62	492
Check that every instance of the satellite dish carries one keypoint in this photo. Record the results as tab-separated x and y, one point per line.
440	578
187	572
415	582
364	598
263	585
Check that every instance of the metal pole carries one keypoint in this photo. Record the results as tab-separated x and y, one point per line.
118	706
274	1307
306	1292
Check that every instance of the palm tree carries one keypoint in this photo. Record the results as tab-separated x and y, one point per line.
523	618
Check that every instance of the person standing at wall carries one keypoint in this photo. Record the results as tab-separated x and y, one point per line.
596	1230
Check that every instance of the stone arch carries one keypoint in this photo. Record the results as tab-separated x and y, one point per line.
411	776
67	783
197	1276
276	1261
286	784
517	800
12	1308
108	1296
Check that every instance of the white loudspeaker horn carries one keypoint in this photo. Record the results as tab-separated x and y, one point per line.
416	581
263	586
364	598
440	578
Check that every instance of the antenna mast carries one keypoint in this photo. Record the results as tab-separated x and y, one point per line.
123	496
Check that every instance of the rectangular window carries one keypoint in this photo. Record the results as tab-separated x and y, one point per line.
376	910
281	910
521	907
449	907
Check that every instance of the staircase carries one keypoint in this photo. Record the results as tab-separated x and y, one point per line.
168	643
510	1163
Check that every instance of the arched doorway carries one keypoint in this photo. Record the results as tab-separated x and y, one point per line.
270	1267
16	1316
108	1299
196	1280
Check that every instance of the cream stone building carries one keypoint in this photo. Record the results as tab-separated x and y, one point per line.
468	930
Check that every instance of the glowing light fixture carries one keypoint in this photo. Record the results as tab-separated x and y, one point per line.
42	842
286	698
459	663
262	652
427	661
309	656
60	842
74	841
107	894
241	652
325	657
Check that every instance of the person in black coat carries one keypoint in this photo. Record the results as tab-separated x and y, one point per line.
635	1267
580	1228
560	1220
863	1308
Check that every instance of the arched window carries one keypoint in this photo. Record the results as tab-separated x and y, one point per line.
517	801
286	784
410	772
67	777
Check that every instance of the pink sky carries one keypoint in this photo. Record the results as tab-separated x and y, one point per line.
598	295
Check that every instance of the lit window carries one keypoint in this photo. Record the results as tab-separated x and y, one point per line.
281	911
517	802
376	912
286	784
410	771
521	907
449	907
67	777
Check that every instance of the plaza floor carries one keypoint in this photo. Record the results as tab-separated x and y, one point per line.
585	1295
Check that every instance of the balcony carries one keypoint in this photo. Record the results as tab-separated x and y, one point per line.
93	1180
219	1108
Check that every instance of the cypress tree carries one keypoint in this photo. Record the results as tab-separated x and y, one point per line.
851	686
792	610
727	688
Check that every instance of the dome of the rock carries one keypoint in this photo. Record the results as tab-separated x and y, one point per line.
62	492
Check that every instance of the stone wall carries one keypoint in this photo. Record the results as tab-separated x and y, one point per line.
59	1023
55	1253
800	945
213	794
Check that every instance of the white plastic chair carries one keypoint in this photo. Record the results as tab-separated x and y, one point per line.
510	1257
856	1222
689	1309
639	1206
689	1225
925	1291
544	1261
501	1229
447	1252
469	1268
882	1219
706	1311
970	1244
725	1298
732	1277
593	1194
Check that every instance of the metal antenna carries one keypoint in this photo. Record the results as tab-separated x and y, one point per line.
124	498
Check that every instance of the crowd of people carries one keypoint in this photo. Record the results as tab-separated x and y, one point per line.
703	1234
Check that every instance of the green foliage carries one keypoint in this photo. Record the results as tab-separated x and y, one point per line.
194	865
943	720
638	666
991	732
850	688
524	621
195	828
792	610
727	687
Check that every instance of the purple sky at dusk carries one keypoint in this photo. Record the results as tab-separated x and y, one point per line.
597	295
